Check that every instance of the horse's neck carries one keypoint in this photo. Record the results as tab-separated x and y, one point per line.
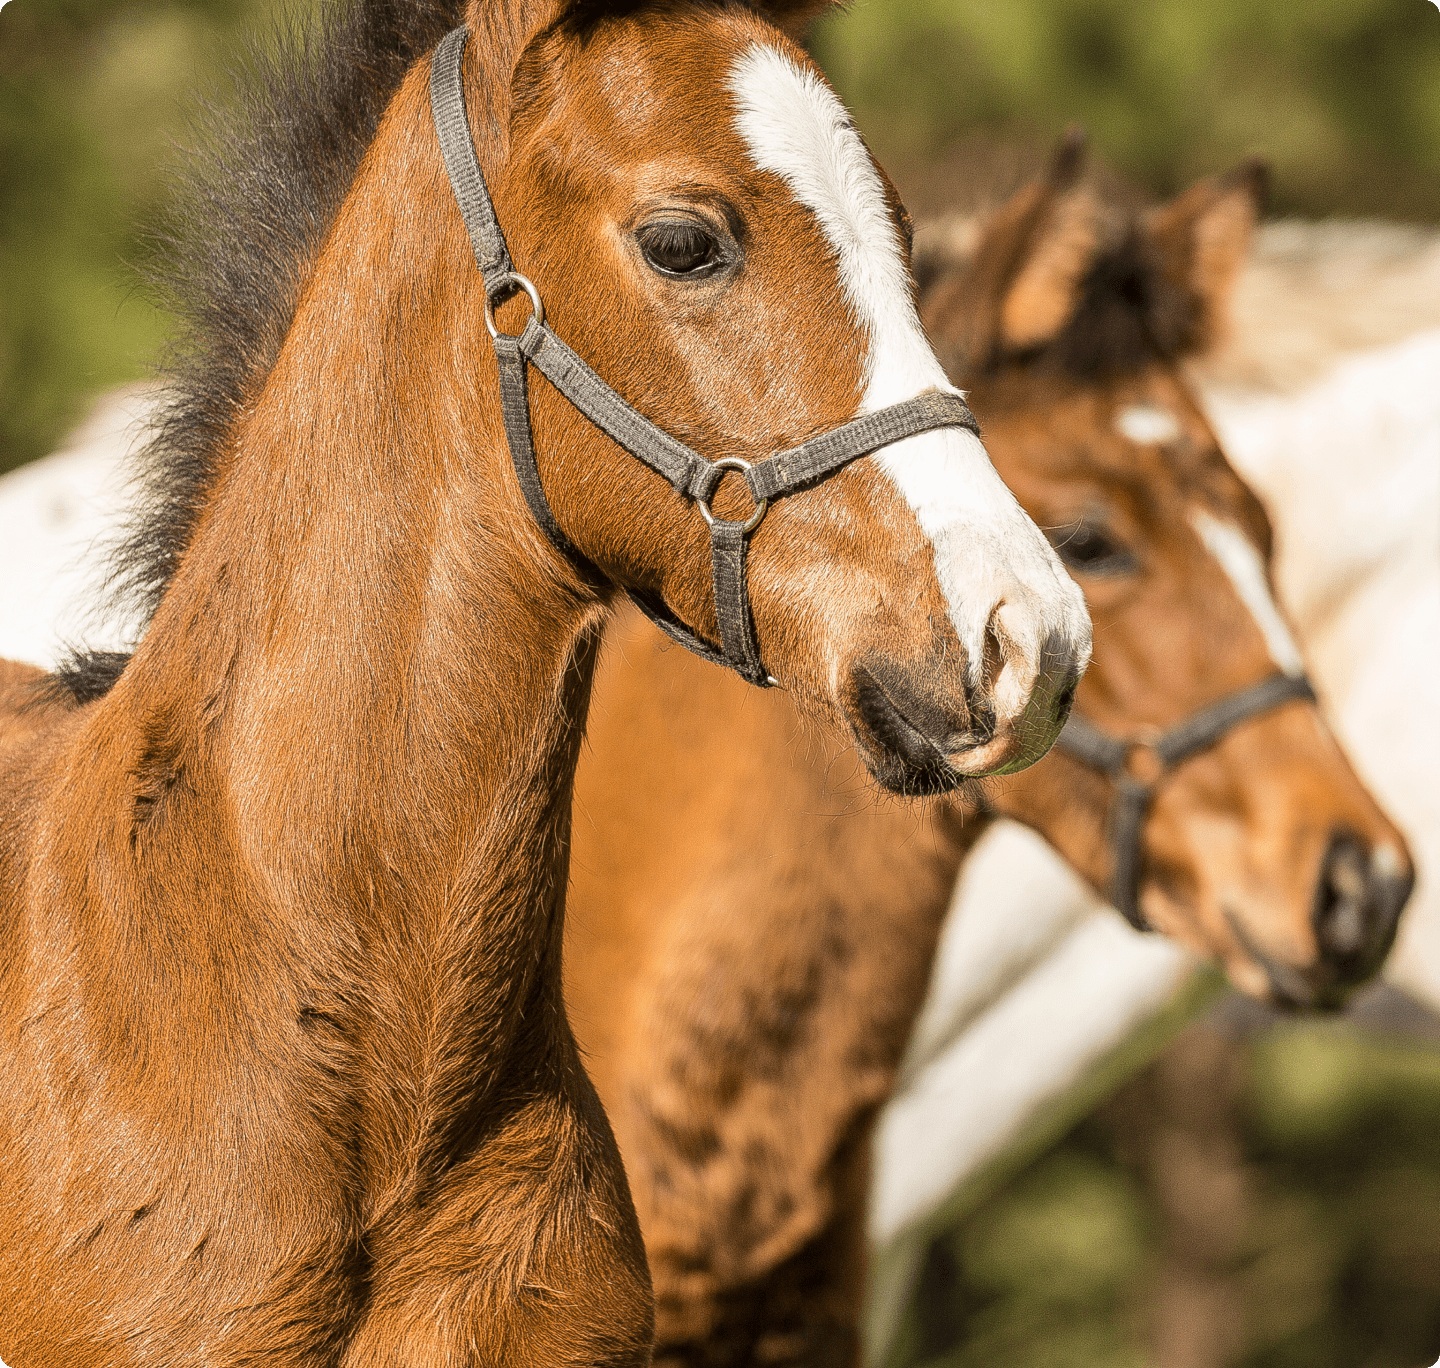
368	682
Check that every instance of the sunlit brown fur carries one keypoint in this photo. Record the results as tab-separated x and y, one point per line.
751	929
286	1073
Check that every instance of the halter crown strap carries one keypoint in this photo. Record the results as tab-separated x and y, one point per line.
452	126
689	473
1208	726
1132	798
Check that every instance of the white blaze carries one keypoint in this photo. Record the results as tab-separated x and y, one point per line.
1147	424
986	549
1241	561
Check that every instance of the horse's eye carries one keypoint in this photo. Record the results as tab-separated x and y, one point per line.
1091	550
680	247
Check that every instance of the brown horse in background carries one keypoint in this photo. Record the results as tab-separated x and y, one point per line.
750	931
287	1076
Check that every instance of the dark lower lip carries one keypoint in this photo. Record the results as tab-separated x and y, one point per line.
911	764
1289	987
905	780
908	775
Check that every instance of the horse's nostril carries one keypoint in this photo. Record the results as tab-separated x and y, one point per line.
1356	909
1339	915
994	658
1065	699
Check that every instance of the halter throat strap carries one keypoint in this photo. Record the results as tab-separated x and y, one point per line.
689	474
1132	797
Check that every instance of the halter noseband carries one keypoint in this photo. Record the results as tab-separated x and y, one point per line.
689	473
1132	798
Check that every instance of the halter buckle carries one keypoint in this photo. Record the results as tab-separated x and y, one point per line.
502	283
753	521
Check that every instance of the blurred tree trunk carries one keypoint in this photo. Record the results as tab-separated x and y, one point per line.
1178	1123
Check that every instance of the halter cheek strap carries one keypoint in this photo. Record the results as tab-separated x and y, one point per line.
689	473
1132	798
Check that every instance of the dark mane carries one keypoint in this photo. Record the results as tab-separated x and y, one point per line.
82	676
255	204
1130	313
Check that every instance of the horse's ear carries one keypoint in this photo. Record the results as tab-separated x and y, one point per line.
1204	237
1022	283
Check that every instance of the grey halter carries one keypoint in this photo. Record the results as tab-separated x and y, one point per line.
689	473
1132	797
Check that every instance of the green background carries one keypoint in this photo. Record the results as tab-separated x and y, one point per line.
1342	95
1313	1230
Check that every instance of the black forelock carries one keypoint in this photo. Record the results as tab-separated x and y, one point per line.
1130	313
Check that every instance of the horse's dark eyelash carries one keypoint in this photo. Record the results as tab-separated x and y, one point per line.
677	238
674	234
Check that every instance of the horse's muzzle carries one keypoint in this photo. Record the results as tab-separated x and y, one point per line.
921	729
1358	901
1359	895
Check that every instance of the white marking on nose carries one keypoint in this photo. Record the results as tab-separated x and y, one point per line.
1241	562
1145	424
986	548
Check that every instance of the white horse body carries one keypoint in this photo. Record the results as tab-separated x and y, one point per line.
57	515
1351	471
1328	402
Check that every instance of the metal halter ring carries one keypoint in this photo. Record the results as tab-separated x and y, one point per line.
504	282
753	521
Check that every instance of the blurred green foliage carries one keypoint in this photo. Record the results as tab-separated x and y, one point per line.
92	96
1343	96
1044	1271
1337	1263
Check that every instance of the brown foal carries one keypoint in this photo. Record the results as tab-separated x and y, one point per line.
286	1073
750	930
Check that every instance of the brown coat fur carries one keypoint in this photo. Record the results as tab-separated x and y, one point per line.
751	925
286	1072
